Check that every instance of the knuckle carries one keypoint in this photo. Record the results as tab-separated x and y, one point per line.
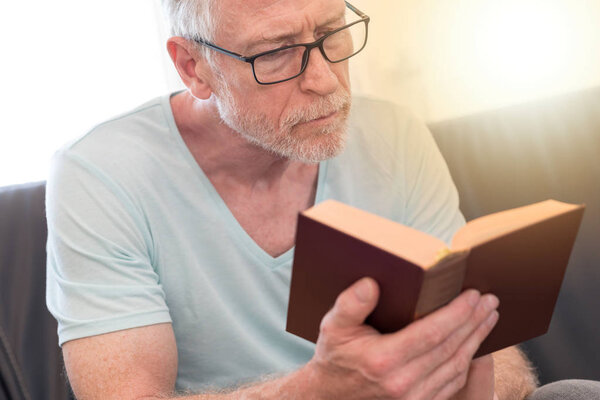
379	365
455	385
465	308
447	349
461	364
432	335
398	386
458	382
326	327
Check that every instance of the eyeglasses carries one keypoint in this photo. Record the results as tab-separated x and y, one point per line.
289	62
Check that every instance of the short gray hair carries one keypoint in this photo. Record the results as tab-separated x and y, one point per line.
192	19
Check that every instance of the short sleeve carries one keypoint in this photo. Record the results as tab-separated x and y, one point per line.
100	275
431	198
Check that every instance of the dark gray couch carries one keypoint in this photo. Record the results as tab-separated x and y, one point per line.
499	160
528	153
30	360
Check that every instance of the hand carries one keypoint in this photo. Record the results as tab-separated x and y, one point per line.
429	359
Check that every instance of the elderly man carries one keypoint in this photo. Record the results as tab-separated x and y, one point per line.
171	227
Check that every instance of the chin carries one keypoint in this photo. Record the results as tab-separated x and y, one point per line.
320	145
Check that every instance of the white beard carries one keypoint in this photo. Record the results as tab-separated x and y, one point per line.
323	143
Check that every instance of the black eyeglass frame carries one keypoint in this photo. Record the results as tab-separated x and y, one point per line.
308	47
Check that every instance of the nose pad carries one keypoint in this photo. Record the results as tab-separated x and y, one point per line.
319	77
305	58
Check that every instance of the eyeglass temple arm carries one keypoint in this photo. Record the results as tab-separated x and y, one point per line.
247	59
221	50
356	10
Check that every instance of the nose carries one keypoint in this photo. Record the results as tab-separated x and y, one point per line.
318	77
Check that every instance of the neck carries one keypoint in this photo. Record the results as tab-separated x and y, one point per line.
223	154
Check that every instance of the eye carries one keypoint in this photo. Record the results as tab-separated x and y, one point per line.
324	32
271	56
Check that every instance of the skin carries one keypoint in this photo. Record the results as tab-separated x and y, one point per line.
245	175
430	359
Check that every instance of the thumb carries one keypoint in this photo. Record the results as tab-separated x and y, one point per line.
353	305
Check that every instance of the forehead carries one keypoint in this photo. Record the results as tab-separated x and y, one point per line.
240	21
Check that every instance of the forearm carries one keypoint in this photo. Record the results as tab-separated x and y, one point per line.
515	376
296	385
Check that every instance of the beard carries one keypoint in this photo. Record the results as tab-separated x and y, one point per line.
290	139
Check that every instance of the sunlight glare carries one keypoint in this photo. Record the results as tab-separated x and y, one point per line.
524	43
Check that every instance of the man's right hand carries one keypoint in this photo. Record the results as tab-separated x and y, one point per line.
429	359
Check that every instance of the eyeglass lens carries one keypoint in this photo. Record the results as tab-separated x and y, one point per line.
287	63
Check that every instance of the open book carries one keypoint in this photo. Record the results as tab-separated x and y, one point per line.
520	255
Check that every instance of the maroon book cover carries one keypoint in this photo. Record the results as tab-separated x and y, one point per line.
524	268
327	261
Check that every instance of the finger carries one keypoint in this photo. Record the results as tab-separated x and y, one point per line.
447	373
428	364
452	389
480	380
456	391
353	305
425	334
430	360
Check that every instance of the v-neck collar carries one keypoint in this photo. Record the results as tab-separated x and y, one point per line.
232	223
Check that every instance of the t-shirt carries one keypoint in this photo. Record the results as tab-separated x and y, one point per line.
137	235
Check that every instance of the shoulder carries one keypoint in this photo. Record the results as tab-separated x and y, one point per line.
121	132
385	124
121	147
384	131
379	113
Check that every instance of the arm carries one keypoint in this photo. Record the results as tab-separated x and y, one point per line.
514	375
506	373
428	359
141	363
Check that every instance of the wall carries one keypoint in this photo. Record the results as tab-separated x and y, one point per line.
447	58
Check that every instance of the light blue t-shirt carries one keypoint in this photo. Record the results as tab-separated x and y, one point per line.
137	235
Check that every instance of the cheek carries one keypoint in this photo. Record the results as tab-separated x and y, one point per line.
342	71
272	101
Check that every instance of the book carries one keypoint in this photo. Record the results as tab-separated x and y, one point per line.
520	255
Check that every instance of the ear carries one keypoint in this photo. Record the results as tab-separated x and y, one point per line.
192	68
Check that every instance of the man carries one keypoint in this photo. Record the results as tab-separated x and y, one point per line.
171	228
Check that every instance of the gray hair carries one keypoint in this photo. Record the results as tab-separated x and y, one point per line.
192	19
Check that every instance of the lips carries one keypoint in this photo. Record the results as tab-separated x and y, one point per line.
324	118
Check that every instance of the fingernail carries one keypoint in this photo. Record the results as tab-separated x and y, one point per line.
491	302
473	297
364	290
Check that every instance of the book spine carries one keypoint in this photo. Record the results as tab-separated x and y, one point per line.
442	283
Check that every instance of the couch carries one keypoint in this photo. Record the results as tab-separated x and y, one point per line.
30	360
499	160
527	153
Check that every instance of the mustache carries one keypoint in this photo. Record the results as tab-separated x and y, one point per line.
321	107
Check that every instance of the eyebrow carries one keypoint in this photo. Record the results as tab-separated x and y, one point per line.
280	37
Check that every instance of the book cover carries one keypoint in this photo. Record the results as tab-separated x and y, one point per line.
520	255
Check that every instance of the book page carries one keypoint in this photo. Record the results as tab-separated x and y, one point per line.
415	246
494	225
